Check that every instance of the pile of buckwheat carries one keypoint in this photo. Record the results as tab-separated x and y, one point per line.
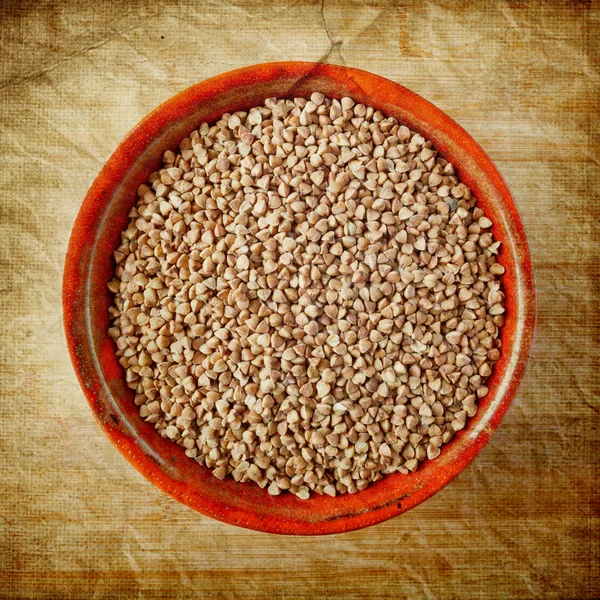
307	297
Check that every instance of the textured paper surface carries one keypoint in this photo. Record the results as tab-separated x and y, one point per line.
76	521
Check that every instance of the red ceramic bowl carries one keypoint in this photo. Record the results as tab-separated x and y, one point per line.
89	266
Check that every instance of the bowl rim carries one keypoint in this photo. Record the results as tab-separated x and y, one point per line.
90	378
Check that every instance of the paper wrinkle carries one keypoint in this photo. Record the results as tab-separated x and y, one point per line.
76	521
334	45
48	69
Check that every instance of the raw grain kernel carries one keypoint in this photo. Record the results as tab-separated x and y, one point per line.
307	298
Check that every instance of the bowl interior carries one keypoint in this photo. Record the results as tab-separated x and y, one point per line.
90	266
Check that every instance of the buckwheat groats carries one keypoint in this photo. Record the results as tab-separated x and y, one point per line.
307	297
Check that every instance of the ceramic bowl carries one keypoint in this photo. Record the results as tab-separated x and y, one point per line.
89	266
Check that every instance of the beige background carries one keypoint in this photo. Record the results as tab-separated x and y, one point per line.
76	521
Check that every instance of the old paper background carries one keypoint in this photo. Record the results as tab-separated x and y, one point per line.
76	521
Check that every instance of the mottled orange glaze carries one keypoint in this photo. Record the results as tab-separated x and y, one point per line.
89	266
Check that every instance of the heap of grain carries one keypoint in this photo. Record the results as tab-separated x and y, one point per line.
307	297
